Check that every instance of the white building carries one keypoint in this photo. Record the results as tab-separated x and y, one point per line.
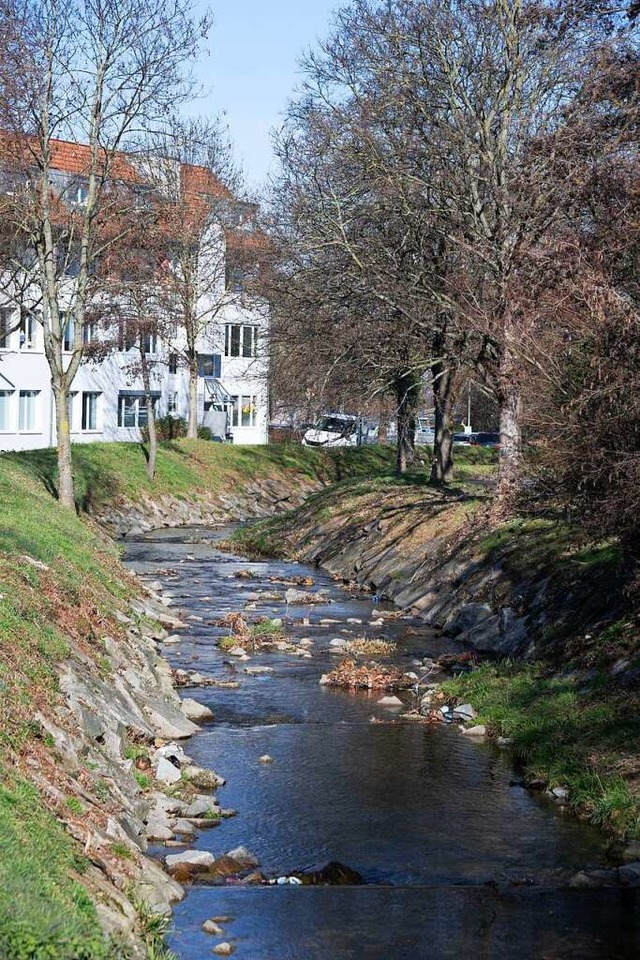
107	400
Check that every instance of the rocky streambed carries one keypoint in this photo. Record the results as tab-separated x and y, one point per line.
365	826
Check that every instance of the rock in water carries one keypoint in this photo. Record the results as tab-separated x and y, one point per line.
224	949
333	873
478	731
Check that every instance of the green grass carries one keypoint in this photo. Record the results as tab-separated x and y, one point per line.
142	779
60	583
566	734
45	913
363	497
266	628
107	472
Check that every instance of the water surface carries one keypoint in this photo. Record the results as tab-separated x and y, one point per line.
456	859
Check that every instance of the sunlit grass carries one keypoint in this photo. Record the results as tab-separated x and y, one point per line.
563	733
45	912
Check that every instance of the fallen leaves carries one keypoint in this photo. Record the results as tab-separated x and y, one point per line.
370	676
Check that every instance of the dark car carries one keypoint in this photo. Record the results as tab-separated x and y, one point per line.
486	440
463	439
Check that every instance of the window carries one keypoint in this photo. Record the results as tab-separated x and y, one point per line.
90	331
27	330
209	365
173	363
235	279
90	411
151	343
5	326
69	260
5	409
126	336
243	411
79	193
68	332
240	340
28	409
172	404
132	408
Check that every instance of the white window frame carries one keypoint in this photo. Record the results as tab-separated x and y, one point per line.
28	426
68	333
172	403
90	331
239	404
72	409
252	330
10	400
151	343
138	406
89	398
28	331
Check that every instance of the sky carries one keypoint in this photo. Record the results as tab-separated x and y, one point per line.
250	68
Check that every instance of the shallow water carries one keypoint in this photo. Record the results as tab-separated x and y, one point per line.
454	857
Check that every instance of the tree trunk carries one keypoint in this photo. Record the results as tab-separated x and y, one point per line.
151	417
153	439
192	426
402	442
443	397
510	461
407	393
66	494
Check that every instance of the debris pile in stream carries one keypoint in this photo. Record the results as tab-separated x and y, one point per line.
366	676
370	647
264	634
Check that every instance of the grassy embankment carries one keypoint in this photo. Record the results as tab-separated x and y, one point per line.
571	721
190	469
60	583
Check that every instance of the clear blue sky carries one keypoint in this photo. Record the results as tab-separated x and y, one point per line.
251	67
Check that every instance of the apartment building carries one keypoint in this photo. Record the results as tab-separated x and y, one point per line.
107	397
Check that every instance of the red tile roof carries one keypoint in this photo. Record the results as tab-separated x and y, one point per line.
75	158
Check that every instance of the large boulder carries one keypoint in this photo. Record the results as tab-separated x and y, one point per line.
466	618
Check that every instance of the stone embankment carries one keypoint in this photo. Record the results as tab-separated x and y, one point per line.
119	772
436	560
261	497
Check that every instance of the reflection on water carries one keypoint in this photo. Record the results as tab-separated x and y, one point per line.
446	846
413	923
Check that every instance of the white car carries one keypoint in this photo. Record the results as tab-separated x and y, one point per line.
340	430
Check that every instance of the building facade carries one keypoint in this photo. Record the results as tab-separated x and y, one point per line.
107	398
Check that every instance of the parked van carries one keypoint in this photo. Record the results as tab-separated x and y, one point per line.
341	430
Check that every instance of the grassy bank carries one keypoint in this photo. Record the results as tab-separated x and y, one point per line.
60	583
107	472
567	733
45	912
358	499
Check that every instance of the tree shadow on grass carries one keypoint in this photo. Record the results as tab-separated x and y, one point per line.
93	484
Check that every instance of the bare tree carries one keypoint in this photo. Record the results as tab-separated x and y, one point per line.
196	181
583	295
98	74
131	312
435	108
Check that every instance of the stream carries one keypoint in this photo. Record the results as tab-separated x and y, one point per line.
457	859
